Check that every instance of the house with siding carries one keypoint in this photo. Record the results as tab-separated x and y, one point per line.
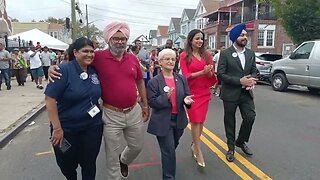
174	31
187	23
55	30
162	35
153	38
265	32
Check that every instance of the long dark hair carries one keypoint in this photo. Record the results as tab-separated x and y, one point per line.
188	49
77	45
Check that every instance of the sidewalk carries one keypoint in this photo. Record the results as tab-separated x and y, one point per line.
18	107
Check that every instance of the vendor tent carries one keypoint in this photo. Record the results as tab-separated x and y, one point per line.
35	35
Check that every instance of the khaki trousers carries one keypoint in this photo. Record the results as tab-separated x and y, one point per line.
116	124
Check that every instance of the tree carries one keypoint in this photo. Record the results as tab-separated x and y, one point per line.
55	20
14	20
300	18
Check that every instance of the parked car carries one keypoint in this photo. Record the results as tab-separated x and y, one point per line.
263	63
302	67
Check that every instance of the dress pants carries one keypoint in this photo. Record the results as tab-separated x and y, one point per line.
168	145
116	125
247	110
45	71
85	146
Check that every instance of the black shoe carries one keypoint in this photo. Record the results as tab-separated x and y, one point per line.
8	87
40	86
245	148
230	155
124	170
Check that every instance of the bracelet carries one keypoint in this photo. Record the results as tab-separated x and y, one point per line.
145	107
56	129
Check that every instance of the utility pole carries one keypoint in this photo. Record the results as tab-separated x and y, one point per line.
87	18
73	21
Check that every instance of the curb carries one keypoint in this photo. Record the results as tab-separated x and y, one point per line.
5	139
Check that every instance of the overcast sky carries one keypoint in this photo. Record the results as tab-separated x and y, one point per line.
142	15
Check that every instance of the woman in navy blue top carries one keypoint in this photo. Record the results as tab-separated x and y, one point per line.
74	113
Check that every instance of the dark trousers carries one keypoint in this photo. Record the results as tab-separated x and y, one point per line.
45	71
247	110
20	76
85	146
168	145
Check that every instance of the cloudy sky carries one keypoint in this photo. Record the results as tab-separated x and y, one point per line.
142	15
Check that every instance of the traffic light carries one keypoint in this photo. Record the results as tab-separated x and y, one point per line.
68	23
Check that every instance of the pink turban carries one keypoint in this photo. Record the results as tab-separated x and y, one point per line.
114	27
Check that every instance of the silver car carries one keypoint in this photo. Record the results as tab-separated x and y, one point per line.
302	67
264	63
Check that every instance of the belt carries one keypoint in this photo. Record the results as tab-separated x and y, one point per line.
125	110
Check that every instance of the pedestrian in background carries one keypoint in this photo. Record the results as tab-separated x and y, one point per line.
144	58
36	66
216	61
168	93
74	113
19	66
237	71
5	59
46	60
197	66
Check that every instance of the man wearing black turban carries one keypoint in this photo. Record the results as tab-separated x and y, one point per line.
237	71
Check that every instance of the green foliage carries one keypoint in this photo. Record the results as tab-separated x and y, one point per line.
300	18
55	20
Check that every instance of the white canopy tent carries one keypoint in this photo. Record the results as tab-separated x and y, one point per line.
35	35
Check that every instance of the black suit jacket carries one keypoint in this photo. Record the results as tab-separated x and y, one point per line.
230	71
158	100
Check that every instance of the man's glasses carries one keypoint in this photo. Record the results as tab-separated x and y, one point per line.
118	39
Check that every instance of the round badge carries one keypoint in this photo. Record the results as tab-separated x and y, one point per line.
84	76
234	54
166	89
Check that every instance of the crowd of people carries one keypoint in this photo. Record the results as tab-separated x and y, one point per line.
34	59
173	84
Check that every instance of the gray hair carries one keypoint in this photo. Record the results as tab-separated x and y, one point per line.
2	41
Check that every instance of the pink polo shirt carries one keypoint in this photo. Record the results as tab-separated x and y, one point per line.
170	82
118	78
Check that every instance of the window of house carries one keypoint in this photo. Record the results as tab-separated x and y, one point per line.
184	29
212	42
266	35
260	38
55	34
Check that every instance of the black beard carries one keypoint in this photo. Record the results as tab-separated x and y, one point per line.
240	44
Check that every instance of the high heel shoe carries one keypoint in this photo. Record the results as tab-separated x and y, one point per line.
192	151
201	164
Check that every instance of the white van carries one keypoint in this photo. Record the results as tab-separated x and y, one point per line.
302	67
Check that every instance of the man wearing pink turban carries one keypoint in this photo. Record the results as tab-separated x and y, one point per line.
120	75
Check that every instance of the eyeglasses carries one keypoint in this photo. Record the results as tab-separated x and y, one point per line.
118	39
169	59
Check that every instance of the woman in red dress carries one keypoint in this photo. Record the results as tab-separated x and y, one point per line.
197	65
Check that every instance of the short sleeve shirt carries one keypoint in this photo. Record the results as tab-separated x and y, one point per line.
118	78
45	57
75	96
4	64
35	61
